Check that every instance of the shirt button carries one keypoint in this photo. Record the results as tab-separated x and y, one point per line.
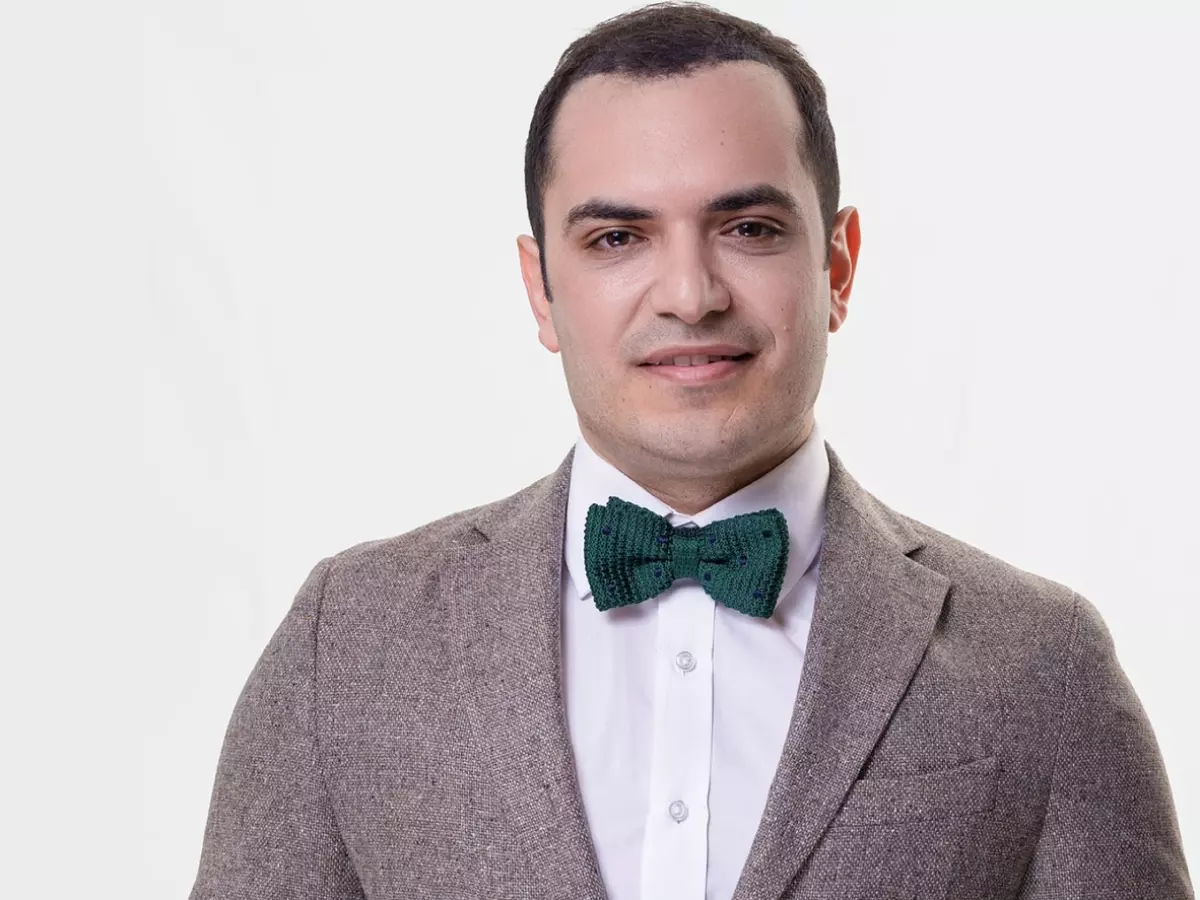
685	661
678	810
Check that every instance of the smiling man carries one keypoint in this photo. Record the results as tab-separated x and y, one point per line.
698	660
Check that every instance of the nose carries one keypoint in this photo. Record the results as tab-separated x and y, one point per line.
685	287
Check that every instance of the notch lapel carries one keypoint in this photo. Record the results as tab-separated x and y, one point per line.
874	614
505	598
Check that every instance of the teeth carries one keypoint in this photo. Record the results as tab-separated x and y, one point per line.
692	360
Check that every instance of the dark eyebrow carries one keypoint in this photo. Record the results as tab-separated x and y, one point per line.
756	195
734	201
597	208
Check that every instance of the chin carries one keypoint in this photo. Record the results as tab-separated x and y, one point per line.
691	444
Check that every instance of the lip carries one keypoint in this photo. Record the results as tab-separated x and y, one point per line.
668	353
706	374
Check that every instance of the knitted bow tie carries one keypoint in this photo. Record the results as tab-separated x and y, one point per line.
631	554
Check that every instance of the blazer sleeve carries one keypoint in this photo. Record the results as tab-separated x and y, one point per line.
1110	828
271	830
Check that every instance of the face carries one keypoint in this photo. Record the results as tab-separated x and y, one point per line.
682	226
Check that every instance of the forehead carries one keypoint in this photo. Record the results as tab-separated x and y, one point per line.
677	140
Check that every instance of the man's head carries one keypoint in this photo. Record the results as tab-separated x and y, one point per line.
682	184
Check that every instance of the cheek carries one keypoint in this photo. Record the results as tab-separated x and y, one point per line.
780	312
799	303
594	318
770	287
589	339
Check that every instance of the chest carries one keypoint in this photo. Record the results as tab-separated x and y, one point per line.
677	710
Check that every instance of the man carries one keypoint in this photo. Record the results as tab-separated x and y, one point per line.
699	660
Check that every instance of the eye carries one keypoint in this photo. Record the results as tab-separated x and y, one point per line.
605	242
756	230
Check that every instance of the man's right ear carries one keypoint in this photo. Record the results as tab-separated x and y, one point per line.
535	288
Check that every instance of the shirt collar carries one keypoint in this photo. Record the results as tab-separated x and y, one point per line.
796	487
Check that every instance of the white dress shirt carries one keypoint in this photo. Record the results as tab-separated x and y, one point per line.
678	707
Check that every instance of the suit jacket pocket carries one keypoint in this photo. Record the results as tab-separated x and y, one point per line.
963	789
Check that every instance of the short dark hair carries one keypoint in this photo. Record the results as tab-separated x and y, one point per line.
665	39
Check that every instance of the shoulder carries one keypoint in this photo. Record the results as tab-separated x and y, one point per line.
992	606
995	605
410	561
1025	641
981	585
976	571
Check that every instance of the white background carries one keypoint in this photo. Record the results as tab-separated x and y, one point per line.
261	302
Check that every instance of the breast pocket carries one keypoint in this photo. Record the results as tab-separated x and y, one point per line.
946	793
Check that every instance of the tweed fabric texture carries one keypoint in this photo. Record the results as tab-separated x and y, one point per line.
632	554
962	730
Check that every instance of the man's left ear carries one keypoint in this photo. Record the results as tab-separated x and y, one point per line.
535	288
843	260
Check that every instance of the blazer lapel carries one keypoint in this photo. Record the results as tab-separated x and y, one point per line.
874	614
504	594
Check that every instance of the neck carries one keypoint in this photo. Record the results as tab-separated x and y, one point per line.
691	494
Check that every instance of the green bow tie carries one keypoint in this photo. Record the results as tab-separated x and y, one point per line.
631	554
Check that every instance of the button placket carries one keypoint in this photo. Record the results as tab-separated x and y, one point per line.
675	844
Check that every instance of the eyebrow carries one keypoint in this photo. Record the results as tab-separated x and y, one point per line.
733	201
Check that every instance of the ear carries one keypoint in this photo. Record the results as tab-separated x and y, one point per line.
535	287
843	261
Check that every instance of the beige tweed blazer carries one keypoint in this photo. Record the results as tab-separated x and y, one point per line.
962	730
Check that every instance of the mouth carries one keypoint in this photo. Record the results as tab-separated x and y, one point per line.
698	368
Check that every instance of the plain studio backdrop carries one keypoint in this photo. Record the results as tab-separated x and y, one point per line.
263	303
